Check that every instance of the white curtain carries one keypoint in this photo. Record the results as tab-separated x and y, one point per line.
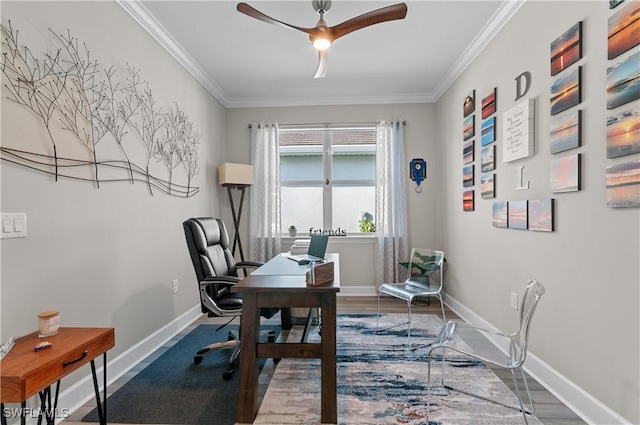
391	203
265	227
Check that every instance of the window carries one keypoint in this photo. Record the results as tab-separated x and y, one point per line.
327	177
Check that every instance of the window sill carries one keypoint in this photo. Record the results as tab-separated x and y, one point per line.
363	238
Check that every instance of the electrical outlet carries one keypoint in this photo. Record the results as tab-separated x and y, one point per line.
514	301
174	288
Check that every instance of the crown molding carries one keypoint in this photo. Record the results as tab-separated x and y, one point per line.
142	16
490	30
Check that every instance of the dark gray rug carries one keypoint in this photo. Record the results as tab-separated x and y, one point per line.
174	390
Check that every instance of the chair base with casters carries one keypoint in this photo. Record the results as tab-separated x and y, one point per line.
423	264
513	361
232	343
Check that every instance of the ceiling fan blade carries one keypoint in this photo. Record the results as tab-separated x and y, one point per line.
323	64
389	13
255	13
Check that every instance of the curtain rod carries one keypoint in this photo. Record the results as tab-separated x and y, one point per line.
318	124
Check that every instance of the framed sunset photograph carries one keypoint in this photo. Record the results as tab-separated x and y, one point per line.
623	82
488	186
500	214
564	173
566	49
623	132
489	103
468	151
467	176
624	27
541	215
468	127
467	200
518	215
488	158
565	91
469	103
488	131
623	185
565	131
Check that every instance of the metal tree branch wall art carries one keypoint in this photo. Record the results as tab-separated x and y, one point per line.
89	113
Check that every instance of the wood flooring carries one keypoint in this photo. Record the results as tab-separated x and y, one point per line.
549	410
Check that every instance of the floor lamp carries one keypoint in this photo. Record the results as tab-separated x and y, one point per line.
239	177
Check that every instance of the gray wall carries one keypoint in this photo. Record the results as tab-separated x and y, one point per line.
420	142
107	256
587	326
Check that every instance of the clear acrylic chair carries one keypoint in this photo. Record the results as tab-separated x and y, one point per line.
513	360
426	278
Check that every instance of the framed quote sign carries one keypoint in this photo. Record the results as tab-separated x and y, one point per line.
518	124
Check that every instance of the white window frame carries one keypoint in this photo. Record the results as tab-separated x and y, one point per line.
327	181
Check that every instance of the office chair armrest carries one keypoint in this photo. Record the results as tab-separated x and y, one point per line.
229	280
248	264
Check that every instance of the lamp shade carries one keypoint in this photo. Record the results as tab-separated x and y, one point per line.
235	174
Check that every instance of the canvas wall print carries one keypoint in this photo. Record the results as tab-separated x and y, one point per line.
488	186
565	173
488	131
623	82
467	200
489	104
488	159
565	91
469	104
541	215
500	214
468	151
467	176
565	131
468	130
566	49
623	185
623	132
518	215
624	30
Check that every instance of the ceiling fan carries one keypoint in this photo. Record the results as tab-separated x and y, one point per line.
323	35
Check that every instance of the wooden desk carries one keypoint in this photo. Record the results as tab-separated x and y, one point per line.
259	290
25	372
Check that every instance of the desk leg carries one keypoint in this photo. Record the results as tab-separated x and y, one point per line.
285	318
329	399
249	334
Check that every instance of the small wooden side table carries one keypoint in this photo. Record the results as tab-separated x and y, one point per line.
25	372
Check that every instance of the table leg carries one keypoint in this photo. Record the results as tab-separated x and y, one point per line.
285	318
249	336
329	391
101	406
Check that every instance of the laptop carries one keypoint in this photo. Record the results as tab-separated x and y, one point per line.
317	249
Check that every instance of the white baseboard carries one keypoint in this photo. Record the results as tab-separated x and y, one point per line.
82	391
590	409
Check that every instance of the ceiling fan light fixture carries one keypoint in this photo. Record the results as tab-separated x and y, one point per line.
321	43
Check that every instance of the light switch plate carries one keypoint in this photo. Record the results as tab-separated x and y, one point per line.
14	225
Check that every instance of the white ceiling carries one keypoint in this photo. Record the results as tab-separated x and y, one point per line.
246	62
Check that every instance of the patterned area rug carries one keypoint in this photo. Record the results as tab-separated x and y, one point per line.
382	381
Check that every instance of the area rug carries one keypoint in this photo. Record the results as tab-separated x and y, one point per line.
382	381
174	390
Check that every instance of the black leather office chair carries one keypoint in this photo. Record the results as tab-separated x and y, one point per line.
217	272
